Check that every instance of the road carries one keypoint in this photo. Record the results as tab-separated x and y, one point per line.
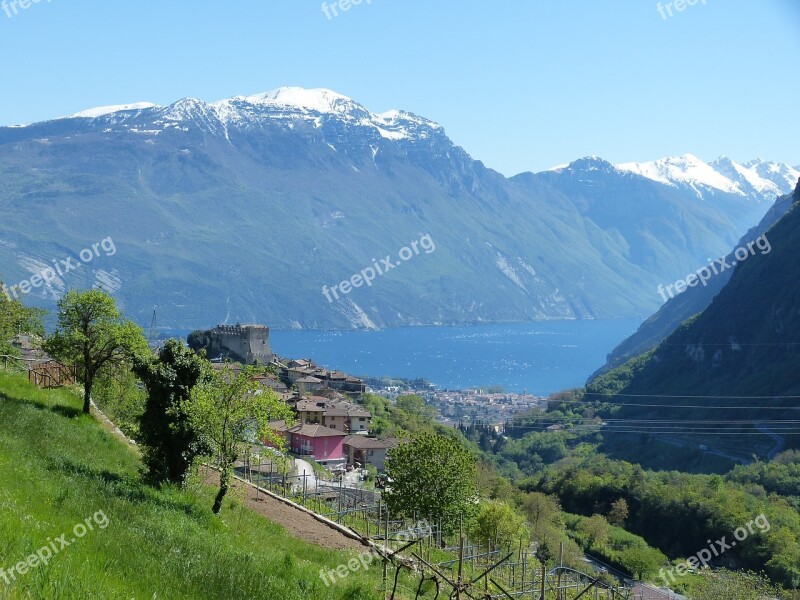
305	468
641	590
675	442
779	442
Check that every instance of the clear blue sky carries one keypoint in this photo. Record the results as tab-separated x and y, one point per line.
520	84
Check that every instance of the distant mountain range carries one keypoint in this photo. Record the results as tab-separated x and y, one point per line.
245	209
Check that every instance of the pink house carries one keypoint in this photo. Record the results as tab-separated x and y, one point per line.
321	443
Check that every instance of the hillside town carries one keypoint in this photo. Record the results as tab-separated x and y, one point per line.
330	428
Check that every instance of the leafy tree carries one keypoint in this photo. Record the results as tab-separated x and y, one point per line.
642	561
596	529
542	510
618	512
168	440
199	340
230	412
497	525
543	553
433	476
493	485
415	405
120	395
379	408
15	319
92	335
784	562
736	586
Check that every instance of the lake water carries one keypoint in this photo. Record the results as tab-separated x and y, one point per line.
542	357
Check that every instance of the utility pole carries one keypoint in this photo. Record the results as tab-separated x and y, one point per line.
460	552
151	336
544	574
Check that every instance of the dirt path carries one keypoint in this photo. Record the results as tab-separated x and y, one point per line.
296	522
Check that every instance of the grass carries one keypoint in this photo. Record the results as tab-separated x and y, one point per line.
59	467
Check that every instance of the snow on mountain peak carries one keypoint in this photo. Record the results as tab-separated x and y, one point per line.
318	100
100	111
687	169
757	178
780	174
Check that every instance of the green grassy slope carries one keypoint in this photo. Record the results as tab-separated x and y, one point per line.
59	468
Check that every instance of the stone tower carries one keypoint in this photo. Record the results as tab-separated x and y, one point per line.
248	344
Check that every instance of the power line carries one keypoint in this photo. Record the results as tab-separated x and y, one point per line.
704	406
733	344
686	396
598	421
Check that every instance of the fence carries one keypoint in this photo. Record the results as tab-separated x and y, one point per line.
51	374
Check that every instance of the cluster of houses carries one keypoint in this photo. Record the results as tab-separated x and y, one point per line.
333	432
330	429
309	379
464	406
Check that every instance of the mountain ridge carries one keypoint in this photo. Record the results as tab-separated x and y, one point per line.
248	215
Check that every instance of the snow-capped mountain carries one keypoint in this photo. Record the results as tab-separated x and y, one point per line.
777	173
758	179
247	208
287	104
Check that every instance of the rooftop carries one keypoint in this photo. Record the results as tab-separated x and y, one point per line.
315	431
366	443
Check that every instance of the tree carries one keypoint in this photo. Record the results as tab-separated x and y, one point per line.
542	510
199	340
432	476
169	442
91	335
492	485
497	525
733	585
596	529
642	561
618	512
230	413
15	319
120	395
543	553
415	405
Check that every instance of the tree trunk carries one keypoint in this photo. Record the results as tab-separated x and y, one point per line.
87	394
224	480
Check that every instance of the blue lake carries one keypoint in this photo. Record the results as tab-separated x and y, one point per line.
542	357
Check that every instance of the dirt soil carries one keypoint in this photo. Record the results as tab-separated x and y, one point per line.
296	522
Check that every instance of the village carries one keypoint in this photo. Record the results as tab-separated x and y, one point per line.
331	428
490	405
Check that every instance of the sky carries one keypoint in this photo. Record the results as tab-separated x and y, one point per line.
521	85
